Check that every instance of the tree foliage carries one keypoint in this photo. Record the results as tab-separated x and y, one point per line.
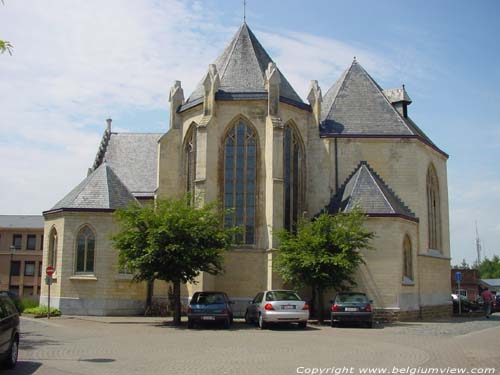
323	253
490	268
172	241
6	46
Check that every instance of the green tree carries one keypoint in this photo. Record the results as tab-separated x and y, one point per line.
172	241
490	268
6	46
323	253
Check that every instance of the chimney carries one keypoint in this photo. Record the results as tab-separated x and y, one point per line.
108	129
399	99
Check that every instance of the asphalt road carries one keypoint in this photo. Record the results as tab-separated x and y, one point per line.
152	346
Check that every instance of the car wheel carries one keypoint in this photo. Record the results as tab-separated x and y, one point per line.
227	323
302	324
11	360
247	318
369	324
190	324
262	323
333	324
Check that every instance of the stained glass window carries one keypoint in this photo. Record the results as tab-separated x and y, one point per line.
240	176
433	209
190	160
292	175
85	246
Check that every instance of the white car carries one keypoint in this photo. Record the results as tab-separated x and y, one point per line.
277	306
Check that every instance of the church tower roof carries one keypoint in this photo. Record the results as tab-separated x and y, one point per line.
241	68
101	190
356	105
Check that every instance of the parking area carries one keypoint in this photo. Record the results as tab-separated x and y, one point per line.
86	345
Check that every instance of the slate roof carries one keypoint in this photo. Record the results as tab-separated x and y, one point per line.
356	105
133	157
365	188
241	69
21	221
100	190
491	282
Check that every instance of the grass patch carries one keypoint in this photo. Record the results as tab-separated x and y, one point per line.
27	303
41	311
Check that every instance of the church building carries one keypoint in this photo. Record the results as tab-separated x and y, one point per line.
245	138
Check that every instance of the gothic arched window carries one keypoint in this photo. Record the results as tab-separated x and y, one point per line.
52	253
85	248
407	259
433	209
190	160
292	176
240	177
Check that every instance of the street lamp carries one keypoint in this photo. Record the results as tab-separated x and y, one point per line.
12	249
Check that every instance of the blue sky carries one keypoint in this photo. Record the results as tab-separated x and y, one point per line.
73	67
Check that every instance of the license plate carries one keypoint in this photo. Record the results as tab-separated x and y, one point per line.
288	307
208	318
351	309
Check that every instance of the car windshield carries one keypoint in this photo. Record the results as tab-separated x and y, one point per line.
351	298
208	299
282	295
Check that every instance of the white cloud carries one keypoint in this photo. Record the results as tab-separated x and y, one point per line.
77	63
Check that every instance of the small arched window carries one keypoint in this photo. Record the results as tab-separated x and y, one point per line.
190	160
240	179
52	253
293	176
407	260
85	249
433	209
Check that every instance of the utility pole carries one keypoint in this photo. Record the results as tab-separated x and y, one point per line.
478	246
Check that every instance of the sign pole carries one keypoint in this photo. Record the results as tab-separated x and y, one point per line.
48	279
48	301
459	299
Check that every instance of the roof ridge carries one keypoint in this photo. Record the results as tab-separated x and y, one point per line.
234	42
381	92
101	151
382	181
343	77
379	189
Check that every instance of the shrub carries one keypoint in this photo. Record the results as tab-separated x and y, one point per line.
28	303
41	311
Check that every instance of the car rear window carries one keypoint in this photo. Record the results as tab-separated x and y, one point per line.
351	298
208	299
282	295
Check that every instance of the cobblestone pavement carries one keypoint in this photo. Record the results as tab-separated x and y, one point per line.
152	346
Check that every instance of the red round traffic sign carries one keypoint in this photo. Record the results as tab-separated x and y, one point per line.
50	270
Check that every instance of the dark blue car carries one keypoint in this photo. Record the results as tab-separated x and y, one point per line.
206	307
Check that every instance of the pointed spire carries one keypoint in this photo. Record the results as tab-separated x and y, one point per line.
176	99
315	99
242	72
211	85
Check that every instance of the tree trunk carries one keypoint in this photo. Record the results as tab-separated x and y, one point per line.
149	297
177	303
313	302
321	306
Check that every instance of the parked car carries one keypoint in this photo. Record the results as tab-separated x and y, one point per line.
351	307
15	298
466	305
277	306
9	331
497	303
210	307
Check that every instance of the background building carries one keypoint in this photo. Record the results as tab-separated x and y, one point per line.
21	245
